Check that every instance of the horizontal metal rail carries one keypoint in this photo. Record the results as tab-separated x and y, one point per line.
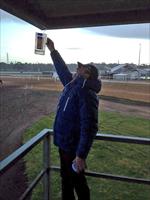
124	139
111	176
24	149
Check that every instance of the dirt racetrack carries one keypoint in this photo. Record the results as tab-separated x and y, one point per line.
25	100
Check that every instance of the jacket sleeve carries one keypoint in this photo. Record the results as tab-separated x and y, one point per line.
61	68
88	103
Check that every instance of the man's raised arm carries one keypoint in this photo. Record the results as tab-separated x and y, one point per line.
60	66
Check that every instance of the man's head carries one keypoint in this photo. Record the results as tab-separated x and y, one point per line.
87	71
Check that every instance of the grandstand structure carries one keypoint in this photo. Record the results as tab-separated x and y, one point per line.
49	14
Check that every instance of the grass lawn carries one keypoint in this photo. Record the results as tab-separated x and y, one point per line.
109	157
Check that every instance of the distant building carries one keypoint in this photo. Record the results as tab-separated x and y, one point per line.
125	72
145	73
120	77
103	71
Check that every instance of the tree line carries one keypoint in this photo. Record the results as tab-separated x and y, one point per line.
40	67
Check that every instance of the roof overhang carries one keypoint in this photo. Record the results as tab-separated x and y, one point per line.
50	14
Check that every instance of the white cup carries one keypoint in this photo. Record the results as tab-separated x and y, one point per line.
40	43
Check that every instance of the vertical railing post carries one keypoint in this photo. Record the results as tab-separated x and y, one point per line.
46	163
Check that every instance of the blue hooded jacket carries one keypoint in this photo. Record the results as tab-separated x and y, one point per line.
76	122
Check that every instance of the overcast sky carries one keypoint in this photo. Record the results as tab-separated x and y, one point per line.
96	44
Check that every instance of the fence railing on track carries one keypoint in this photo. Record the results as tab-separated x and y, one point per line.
45	136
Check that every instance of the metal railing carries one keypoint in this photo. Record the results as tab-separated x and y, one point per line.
22	151
45	172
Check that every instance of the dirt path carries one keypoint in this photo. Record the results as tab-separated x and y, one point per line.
20	108
24	101
130	110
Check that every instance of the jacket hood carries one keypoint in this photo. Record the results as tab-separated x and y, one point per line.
93	84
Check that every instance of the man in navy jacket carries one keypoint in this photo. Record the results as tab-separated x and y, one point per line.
76	123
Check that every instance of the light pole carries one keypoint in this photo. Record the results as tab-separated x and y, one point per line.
139	55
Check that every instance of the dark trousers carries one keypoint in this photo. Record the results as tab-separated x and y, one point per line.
72	180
